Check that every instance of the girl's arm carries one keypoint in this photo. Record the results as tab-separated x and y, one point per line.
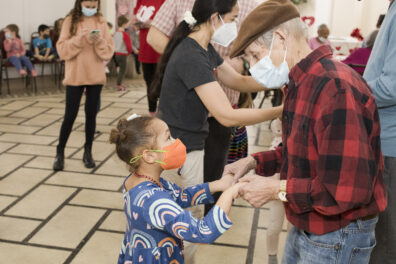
232	79
217	103
163	213
69	47
104	47
7	45
23	50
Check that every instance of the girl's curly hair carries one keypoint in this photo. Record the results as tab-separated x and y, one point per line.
77	15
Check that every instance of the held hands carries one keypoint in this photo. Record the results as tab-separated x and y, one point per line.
259	190
240	168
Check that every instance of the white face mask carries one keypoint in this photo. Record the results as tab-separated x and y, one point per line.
225	34
322	39
266	74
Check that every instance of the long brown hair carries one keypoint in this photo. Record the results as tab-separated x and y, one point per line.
14	28
77	15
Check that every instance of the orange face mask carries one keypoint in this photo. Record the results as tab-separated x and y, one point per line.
175	156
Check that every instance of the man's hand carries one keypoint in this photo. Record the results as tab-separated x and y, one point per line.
259	190
240	167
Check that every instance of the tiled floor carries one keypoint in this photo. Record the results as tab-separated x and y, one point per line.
76	216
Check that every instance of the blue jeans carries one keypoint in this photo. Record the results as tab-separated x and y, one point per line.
351	244
17	62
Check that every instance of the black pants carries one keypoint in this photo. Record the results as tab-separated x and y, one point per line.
137	63
216	152
73	98
122	62
148	75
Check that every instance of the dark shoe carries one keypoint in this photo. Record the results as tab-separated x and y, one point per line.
59	163
87	158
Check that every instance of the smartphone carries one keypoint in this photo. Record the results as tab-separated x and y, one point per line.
95	32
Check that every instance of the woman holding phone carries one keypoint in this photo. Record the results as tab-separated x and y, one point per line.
84	44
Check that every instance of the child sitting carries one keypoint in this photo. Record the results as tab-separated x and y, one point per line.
43	44
157	224
15	50
123	47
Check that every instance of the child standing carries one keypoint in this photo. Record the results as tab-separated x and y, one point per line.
157	224
123	47
43	44
15	50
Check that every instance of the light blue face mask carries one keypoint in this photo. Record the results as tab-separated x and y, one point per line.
269	76
89	11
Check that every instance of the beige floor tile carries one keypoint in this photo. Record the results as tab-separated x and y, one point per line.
211	254
99	121
112	112
9	162
103	138
16	229
76	139
240	201
48	151
28	139
42	120
101	128
18	129
108	244
86	180
116	221
6	201
47	163
41	202
17	105
264	219
239	233
50	105
57	111
111	200
68	227
11	120
22	180
5	146
260	251
29	112
100	151
5	112
114	166
32	255
52	130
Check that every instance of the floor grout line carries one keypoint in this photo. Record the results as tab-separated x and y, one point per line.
253	235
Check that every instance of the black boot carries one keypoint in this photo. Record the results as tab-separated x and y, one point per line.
59	163
87	158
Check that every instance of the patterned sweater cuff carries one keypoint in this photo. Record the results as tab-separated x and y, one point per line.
221	220
298	194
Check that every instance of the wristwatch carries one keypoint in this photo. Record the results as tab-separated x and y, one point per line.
282	191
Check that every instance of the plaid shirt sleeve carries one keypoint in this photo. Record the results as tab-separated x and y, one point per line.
345	169
268	162
166	18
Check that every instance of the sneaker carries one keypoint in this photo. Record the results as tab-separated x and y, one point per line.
34	73
121	88
22	72
50	57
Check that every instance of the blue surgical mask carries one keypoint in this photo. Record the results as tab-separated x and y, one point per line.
89	11
8	35
266	74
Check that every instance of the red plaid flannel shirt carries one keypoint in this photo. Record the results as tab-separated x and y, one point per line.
331	154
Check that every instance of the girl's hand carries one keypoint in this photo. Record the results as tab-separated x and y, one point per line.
95	38
234	190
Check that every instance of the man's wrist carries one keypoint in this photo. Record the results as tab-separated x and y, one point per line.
252	162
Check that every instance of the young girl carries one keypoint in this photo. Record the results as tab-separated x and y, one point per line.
156	221
84	44
15	50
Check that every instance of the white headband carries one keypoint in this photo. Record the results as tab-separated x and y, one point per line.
133	116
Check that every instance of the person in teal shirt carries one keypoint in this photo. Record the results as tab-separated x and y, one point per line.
381	76
43	44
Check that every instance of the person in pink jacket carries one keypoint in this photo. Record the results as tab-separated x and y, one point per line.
84	43
16	51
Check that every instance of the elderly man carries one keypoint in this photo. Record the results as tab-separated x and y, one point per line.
380	74
331	163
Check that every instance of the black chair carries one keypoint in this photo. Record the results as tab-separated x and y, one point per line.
5	64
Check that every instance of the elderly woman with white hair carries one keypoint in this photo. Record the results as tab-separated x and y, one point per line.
330	163
321	39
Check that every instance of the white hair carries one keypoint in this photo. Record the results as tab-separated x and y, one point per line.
294	28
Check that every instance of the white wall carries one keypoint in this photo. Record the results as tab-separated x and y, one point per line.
29	14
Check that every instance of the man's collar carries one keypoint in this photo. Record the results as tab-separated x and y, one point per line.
299	71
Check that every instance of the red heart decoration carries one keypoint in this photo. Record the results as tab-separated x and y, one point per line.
308	20
338	48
